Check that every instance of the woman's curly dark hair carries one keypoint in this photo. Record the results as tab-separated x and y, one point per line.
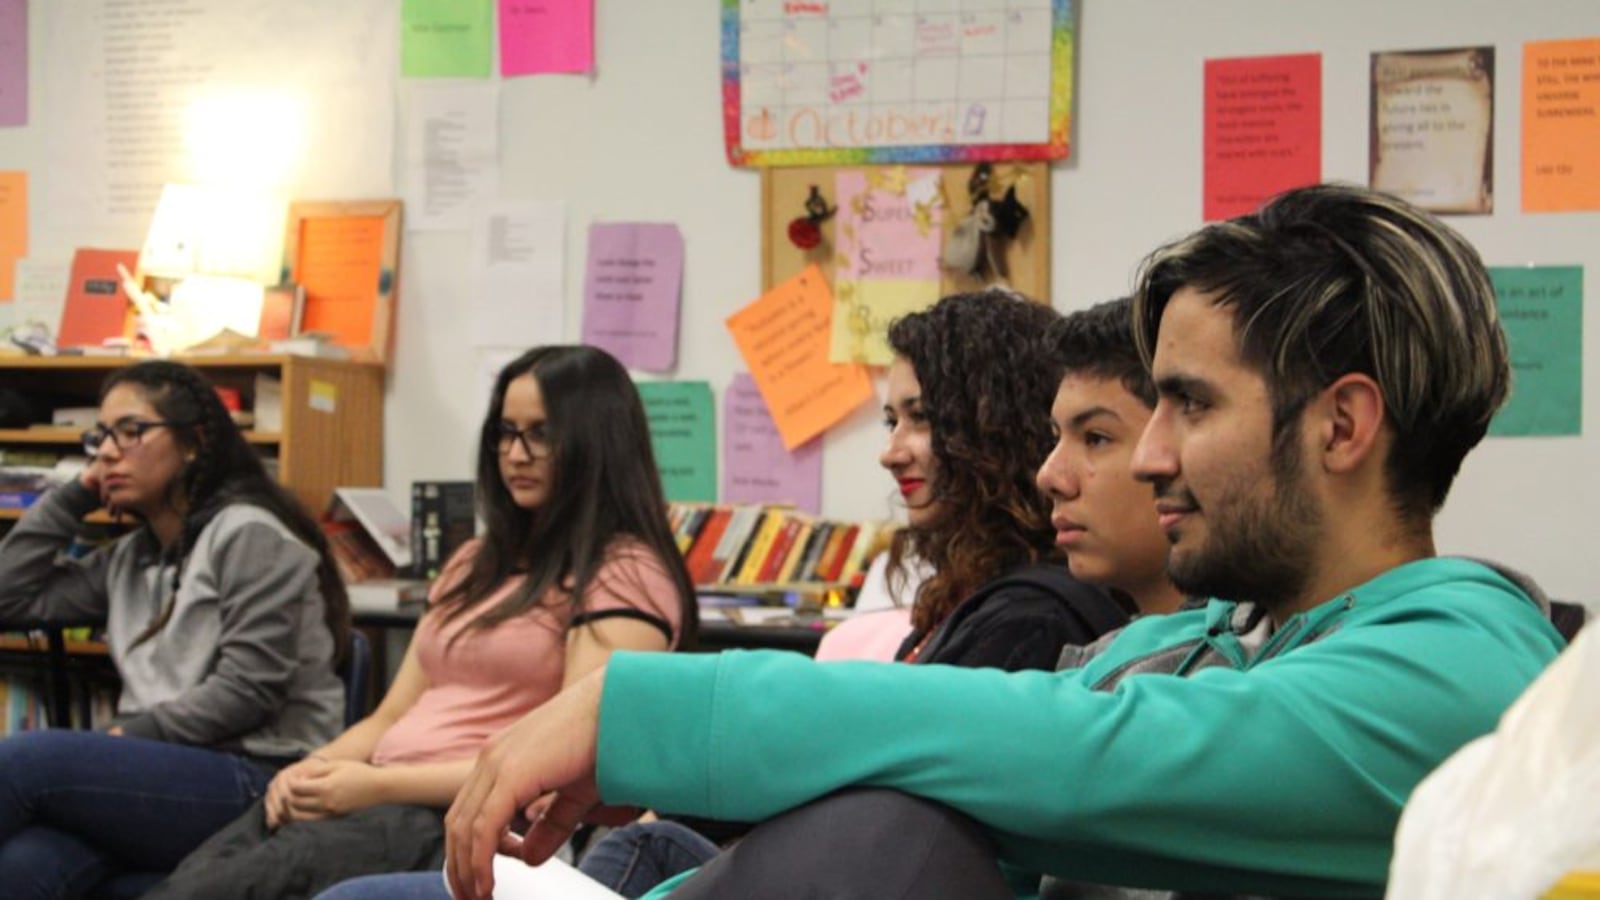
988	377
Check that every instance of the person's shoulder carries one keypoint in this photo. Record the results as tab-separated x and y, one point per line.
1449	588
628	554
1038	598
1051	589
236	520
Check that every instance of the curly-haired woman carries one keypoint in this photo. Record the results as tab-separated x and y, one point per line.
969	387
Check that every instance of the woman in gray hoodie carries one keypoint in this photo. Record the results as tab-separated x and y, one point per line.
224	615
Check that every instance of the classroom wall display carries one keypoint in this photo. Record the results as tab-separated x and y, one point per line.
683	437
1541	308
805	83
346	254
1432	128
1263	130
1560	125
894	239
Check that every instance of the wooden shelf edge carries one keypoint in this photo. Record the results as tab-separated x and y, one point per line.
198	360
74	436
17	644
98	517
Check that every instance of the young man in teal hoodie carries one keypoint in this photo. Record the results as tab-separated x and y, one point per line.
1322	368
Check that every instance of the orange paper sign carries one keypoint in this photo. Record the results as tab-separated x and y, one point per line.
1560	125
13	228
784	340
340	263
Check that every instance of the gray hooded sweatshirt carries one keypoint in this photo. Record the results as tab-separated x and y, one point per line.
246	660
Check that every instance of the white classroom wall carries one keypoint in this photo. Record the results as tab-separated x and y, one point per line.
641	140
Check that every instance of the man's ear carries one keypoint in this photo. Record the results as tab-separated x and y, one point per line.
1349	423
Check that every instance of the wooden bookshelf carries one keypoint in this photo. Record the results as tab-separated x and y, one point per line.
98	517
331	436
50	435
16	643
332	432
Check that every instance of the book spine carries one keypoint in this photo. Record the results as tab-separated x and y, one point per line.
699	558
772	563
441	521
733	541
807	570
797	550
730	572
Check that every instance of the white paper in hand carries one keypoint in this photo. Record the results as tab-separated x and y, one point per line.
554	880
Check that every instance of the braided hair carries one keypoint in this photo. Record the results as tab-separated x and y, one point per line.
224	470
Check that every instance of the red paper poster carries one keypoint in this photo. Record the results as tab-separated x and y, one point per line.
1263	130
96	308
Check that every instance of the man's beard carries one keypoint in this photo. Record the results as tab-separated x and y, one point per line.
1256	550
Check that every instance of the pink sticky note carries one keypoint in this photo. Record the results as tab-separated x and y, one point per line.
756	467
538	36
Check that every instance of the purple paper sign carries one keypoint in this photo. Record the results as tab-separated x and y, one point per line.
13	62
756	468
630	295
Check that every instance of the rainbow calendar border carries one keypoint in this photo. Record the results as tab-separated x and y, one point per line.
1056	147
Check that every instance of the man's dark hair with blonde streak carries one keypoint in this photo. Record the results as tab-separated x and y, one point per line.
1330	280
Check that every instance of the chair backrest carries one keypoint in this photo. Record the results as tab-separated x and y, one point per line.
1568	618
357	675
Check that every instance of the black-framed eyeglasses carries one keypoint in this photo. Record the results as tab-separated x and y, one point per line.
125	433
534	439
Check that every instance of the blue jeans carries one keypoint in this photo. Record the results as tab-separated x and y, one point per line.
77	807
635	858
399	886
630	860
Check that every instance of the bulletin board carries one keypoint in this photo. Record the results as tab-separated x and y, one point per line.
1026	259
911	199
346	256
809	83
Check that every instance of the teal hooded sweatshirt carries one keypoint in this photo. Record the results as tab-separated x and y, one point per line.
1278	768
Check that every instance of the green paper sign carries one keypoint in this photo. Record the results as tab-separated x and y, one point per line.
683	434
1541	308
446	38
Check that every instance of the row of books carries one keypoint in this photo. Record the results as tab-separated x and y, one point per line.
25	474
387	557
23	706
760	545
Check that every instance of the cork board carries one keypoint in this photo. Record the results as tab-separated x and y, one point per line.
1026	258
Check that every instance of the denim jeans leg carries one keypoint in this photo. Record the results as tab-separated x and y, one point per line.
635	858
50	864
398	886
141	805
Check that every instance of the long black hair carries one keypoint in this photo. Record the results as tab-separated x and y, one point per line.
605	487
223	470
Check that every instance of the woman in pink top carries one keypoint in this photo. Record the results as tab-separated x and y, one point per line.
576	561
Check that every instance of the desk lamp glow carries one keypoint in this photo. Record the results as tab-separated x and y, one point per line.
212	246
